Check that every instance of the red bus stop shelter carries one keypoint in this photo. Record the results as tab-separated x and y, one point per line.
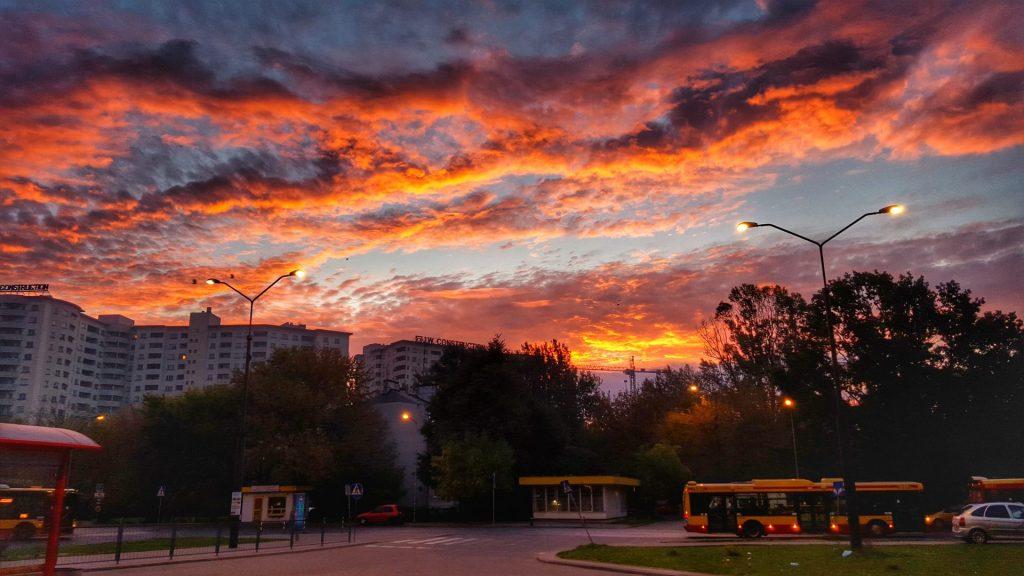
40	451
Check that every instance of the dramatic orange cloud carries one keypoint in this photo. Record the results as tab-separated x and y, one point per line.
140	150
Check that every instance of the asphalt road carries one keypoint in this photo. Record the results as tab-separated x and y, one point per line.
451	550
412	551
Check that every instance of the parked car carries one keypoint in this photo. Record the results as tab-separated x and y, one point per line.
385	514
978	523
942	520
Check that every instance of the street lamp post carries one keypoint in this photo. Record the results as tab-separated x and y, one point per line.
791	405
240	455
853	518
407	416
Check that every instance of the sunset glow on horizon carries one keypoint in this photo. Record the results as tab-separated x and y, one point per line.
575	172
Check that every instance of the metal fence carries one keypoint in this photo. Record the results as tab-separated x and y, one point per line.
119	543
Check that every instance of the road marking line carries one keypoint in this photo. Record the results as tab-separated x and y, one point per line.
434	540
457	541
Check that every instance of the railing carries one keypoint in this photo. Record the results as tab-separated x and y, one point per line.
128	542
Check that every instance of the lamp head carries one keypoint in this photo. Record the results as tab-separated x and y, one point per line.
406	416
694	388
894	209
212	281
742	226
101	417
788	403
300	274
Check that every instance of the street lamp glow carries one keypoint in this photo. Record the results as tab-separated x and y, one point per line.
743	226
101	417
406	417
788	403
212	281
300	274
694	388
894	209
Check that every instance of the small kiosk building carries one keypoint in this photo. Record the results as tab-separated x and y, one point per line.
274	503
593	497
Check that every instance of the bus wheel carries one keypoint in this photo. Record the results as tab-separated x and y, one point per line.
23	531
876	529
977	536
753	529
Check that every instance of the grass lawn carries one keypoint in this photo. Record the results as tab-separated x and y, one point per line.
811	559
38	549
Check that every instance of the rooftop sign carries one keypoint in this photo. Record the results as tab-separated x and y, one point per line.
446	342
23	288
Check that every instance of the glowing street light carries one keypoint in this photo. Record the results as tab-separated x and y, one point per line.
694	388
407	416
101	417
791	405
240	456
848	481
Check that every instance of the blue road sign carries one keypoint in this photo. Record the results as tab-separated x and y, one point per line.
357	490
838	489
566	487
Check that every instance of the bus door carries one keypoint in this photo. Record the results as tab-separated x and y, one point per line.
722	513
907	514
811	512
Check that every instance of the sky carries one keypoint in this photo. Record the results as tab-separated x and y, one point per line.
555	170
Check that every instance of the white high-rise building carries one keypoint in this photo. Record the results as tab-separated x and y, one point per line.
57	362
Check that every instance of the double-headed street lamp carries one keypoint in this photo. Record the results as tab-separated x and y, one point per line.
240	456
848	483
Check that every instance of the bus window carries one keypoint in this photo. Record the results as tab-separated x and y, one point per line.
750	504
779	503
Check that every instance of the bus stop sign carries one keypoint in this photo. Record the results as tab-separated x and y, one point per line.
566	487
838	488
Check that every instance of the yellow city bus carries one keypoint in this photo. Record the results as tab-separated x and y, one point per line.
796	506
25	512
981	489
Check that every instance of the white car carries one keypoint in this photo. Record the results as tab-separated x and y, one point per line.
978	523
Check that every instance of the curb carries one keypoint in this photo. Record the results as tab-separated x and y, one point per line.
85	569
552	558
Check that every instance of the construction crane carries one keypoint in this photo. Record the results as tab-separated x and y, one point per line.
630	371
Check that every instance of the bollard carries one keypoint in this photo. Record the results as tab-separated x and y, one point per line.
216	544
174	539
259	532
120	539
291	536
323	530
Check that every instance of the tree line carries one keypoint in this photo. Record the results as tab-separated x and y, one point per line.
933	386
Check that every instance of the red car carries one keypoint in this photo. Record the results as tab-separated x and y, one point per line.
386	514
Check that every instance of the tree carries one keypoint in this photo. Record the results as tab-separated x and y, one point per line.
661	474
468	468
311	422
933	383
533	400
